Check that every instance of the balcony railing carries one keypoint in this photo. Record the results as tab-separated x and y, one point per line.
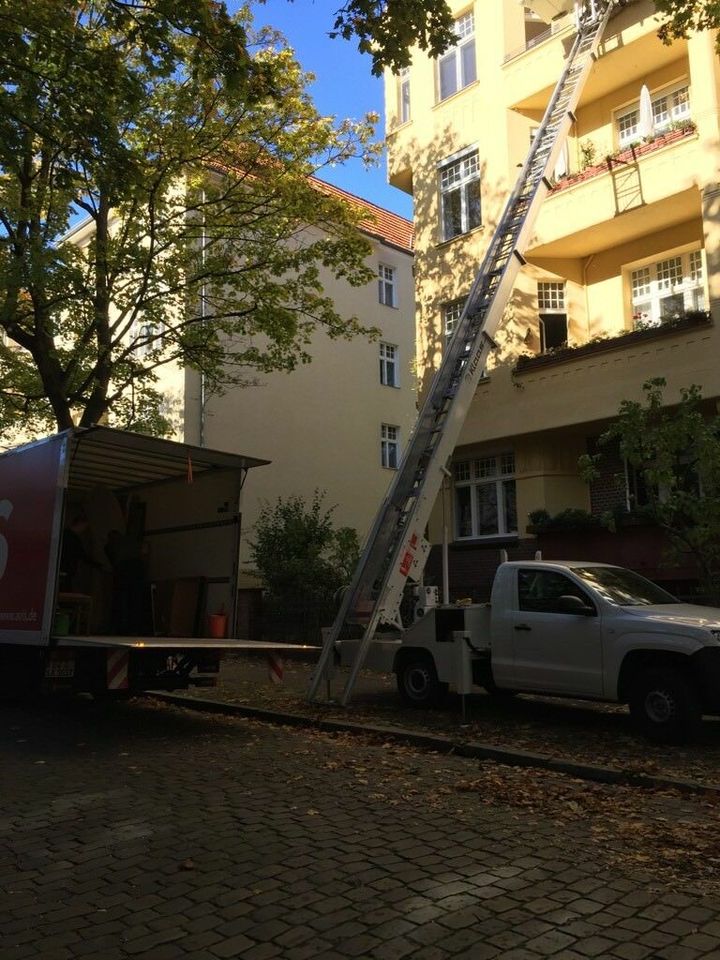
629	155
557	27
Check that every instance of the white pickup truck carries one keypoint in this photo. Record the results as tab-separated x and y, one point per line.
572	629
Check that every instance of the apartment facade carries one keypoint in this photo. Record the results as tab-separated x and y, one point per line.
339	423
621	280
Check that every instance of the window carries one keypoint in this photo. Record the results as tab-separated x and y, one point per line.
668	288
451	313
404	95
637	489
148	337
552	315
540	591
389	446
460	195
456	68
640	492
389	365
386	285
669	106
627	126
485	502
624	587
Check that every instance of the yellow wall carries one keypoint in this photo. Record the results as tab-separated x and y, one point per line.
320	424
590	234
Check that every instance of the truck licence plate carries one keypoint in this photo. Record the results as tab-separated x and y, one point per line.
60	668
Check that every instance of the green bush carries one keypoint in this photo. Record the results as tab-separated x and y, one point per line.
569	519
303	561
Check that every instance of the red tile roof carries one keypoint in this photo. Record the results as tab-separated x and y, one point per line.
380	223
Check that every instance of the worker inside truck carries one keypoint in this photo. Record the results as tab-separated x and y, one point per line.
102	567
75	552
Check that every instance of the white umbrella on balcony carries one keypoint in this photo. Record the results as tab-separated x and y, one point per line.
646	120
562	164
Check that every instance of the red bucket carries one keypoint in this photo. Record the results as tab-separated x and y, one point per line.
217	625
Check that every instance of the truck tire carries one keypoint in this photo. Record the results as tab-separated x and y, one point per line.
664	705
417	681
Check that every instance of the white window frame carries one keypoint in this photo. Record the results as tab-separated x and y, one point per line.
404	102
147	337
460	174
629	116
451	313
389	446
495	471
387	285
389	365
460	60
655	287
551	301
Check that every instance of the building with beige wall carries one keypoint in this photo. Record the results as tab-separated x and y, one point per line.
621	281
340	422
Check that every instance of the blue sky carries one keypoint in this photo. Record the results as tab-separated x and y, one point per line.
344	86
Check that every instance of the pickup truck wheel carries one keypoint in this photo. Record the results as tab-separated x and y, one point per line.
418	683
665	706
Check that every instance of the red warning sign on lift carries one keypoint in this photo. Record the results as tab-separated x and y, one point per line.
409	556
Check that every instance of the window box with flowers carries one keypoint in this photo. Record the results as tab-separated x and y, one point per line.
681	130
677	324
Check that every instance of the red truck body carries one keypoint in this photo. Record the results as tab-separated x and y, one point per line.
183	504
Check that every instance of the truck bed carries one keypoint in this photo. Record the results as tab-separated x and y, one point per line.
175	643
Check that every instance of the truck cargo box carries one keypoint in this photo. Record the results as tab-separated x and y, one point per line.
110	539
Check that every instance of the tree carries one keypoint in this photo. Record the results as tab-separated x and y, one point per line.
187	140
684	16
676	449
387	29
303	561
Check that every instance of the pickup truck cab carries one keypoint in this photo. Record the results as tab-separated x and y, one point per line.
571	629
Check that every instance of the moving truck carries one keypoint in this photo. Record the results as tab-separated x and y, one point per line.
118	562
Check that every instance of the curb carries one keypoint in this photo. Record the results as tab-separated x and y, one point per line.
438	744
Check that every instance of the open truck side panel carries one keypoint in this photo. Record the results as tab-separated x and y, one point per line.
179	508
33	479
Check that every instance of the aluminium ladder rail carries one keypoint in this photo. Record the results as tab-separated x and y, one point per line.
395	546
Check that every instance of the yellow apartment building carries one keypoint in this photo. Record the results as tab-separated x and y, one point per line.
622	276
339	423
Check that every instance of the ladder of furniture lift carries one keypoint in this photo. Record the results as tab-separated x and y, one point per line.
395	546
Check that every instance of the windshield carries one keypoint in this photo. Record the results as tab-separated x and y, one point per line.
623	587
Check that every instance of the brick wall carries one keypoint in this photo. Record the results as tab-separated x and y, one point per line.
607	491
472	566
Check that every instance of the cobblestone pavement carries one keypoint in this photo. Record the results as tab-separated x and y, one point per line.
141	831
584	732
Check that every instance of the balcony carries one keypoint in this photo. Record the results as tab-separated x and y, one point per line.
637	191
630	52
540	37
400	152
628	156
623	340
585	384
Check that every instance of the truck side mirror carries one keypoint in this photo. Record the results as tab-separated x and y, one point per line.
576	605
